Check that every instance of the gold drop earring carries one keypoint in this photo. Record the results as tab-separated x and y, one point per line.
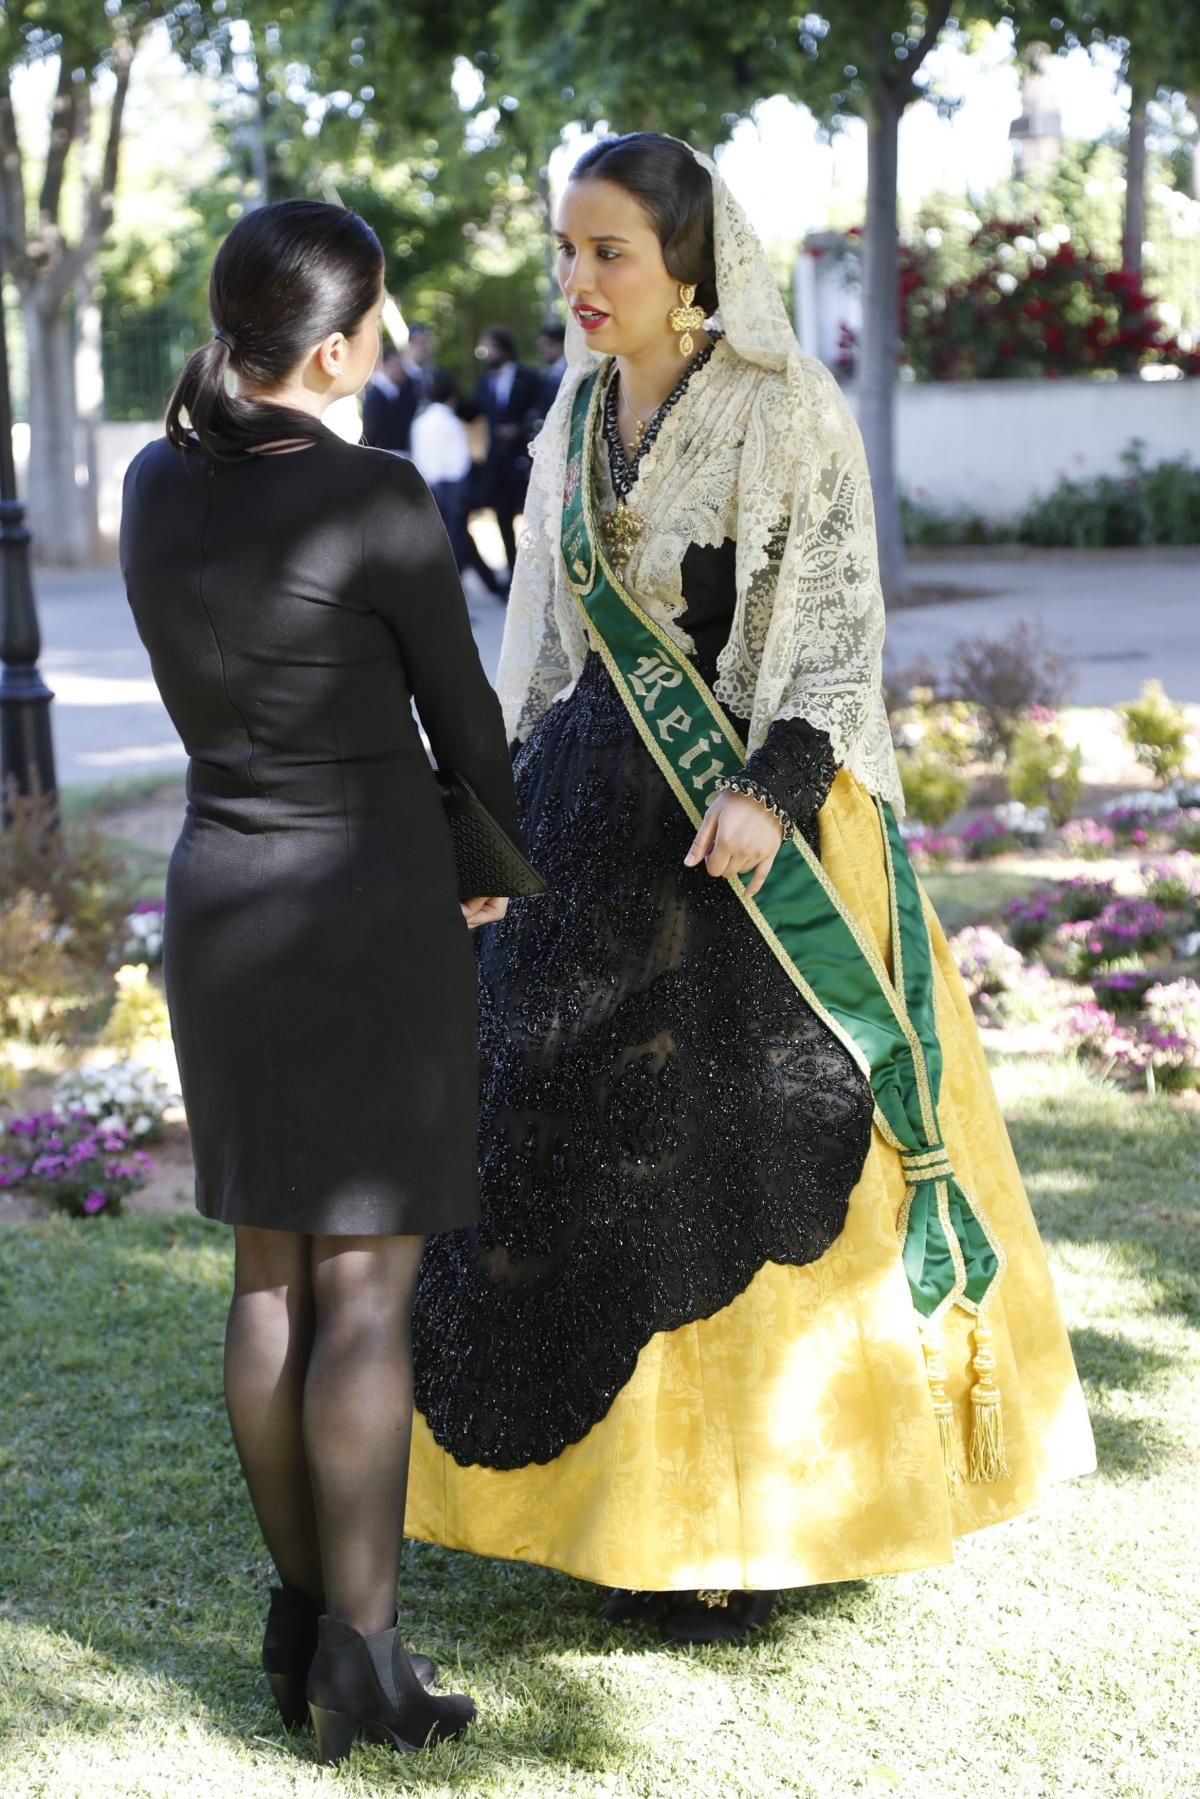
686	318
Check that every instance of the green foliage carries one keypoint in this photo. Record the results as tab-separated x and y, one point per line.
139	1015
930	527
933	791
1003	677
1157	732
35	975
1159	505
86	888
1043	770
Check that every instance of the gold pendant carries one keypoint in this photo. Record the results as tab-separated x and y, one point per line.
620	530
686	318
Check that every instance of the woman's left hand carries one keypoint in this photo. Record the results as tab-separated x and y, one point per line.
737	835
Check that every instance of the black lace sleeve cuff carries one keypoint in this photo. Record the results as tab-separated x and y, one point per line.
795	768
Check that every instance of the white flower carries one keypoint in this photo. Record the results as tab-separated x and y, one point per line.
142	1124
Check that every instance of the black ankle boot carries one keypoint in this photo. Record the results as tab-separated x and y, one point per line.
289	1644
369	1684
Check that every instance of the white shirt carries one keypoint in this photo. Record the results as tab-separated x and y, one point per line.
439	444
502	382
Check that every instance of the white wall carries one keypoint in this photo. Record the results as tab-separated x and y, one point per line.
993	445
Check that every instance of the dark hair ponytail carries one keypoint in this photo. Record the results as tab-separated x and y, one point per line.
286	277
675	192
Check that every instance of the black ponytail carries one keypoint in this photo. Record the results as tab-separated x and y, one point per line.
285	278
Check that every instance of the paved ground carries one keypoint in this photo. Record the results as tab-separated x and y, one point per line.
1118	616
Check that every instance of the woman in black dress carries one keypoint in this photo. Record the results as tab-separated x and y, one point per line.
296	595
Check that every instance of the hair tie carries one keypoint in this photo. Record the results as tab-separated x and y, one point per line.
221	336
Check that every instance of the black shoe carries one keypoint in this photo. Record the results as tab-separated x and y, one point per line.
715	1618
691	1617
368	1684
289	1644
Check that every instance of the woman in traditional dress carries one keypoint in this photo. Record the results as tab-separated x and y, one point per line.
757	1300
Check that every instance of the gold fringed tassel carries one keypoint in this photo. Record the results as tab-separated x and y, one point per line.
943	1411
987	1460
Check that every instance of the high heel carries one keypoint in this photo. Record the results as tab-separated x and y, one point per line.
368	1684
289	1644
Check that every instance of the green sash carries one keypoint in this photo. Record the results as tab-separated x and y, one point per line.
886	1022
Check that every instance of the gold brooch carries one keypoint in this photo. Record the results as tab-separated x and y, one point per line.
620	530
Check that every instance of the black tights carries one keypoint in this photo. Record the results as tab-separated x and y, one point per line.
318	1382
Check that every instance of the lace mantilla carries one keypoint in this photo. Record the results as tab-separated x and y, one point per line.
762	437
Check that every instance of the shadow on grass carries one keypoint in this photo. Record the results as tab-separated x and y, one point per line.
132	1574
1125	1178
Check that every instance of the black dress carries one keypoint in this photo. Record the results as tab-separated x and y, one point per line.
661	1111
318	970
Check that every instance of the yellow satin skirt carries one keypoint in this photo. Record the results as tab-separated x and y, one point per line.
790	1439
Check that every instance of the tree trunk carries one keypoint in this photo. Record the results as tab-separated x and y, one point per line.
89	395
880	329
1134	229
59	507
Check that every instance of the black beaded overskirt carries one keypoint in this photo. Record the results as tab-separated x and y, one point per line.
661	1112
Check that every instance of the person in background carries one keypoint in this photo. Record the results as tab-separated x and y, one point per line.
419	365
510	396
442	453
390	404
551	348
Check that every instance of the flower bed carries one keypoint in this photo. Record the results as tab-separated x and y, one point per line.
77	1165
1113	975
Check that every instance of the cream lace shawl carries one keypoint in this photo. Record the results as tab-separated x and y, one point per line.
749	453
762	448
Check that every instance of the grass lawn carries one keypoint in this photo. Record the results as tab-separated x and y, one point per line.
1057	1658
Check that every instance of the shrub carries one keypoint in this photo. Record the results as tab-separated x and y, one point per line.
140	1014
124	1096
1084	897
933	850
1123	986
144	933
87	888
34	972
1157	732
1183	828
985	961
1088	839
916	684
1003	677
1139	506
1172	881
1031	919
1088	1030
986	837
927	527
1171	1035
1043	770
77	1165
933	792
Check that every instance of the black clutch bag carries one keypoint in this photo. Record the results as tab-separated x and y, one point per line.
487	861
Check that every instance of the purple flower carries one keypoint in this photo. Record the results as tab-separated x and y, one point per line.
95	1201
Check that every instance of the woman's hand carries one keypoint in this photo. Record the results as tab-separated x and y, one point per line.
737	835
483	911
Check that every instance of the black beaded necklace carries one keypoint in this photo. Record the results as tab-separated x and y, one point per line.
624	467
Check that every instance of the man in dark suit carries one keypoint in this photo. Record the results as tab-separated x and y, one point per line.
390	405
510	397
